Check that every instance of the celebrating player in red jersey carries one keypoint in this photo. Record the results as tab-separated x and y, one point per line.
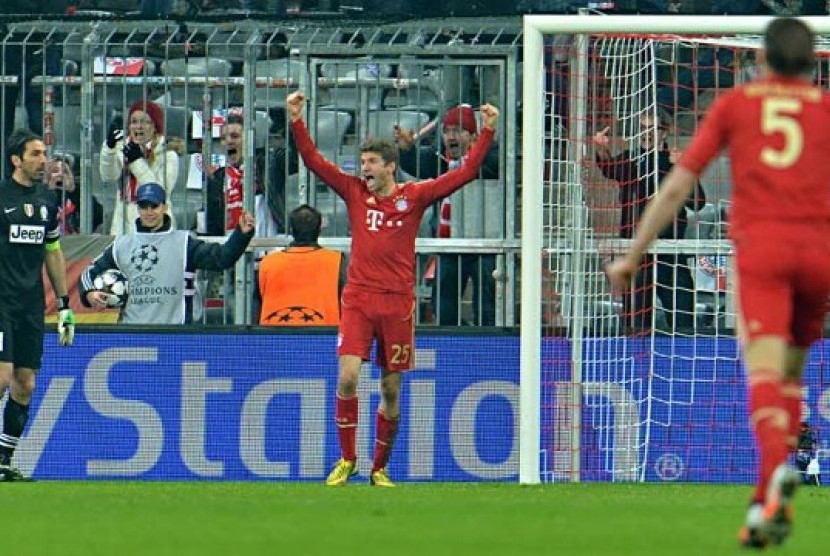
379	298
776	130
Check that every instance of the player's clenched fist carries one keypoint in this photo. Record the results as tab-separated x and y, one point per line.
294	104
489	115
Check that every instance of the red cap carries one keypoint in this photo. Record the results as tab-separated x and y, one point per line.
461	116
152	110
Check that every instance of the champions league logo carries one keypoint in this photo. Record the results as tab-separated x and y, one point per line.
144	258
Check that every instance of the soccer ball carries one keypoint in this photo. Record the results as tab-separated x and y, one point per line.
115	285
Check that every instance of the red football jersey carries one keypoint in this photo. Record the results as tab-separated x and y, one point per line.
777	132
383	229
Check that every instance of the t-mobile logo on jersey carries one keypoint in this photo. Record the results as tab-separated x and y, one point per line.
374	219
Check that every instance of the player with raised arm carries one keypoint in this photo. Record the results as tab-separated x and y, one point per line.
776	131
29	240
379	298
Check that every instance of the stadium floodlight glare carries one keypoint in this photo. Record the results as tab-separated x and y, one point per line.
580	367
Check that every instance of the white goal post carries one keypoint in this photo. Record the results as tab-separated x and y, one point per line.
535	141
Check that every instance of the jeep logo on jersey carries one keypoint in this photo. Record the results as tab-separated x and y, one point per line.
374	219
26	234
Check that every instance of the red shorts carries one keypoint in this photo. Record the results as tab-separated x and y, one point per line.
783	287
388	317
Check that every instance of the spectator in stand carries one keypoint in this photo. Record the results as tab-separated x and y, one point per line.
144	156
301	285
167	259
634	172
459	133
61	180
225	190
225	186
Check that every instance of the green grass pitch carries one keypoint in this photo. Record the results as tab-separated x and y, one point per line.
159	518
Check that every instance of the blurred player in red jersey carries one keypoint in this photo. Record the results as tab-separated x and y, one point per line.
776	131
378	301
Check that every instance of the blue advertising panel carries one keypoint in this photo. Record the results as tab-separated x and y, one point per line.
217	406
260	407
661	409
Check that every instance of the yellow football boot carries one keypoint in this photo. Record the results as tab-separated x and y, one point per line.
339	476
380	478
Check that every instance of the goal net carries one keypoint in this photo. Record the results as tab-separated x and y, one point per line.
644	384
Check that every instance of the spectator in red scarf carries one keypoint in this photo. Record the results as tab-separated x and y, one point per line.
459	132
225	185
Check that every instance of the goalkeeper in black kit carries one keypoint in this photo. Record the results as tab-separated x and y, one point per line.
29	239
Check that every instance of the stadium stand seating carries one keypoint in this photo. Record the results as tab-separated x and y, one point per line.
280	68
330	129
382	122
192	95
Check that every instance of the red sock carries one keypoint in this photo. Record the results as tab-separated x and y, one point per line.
345	414
791	394
386	430
769	420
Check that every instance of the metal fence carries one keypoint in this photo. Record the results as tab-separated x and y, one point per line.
75	81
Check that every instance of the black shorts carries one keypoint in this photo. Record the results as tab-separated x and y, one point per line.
21	336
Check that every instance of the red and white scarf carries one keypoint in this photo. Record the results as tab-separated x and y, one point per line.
234	191
445	212
233	196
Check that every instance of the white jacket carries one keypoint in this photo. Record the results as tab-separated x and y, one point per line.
164	170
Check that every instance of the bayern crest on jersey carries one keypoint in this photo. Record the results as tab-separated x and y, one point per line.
401	204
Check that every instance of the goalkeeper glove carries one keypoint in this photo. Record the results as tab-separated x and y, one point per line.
66	322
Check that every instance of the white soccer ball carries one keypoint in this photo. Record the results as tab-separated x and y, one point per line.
115	285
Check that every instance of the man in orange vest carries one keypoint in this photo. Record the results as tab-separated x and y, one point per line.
301	285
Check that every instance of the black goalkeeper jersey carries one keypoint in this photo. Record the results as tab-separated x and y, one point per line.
28	221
